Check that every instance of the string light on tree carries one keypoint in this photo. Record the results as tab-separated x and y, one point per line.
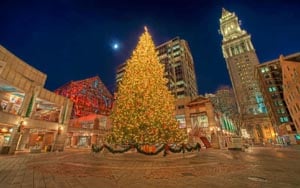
144	107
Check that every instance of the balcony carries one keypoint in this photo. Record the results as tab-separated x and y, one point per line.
11	119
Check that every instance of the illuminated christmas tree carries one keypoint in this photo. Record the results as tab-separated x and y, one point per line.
144	107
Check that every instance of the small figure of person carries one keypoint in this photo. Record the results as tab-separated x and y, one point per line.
183	149
166	150
198	146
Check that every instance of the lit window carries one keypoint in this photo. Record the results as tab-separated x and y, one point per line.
272	89
176	47
284	119
281	111
264	69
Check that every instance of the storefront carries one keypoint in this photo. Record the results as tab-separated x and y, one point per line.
5	137
10	102
87	130
79	140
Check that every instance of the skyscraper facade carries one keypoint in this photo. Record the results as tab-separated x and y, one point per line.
176	56
270	79
291	87
241	60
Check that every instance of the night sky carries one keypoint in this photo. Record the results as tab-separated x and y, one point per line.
73	40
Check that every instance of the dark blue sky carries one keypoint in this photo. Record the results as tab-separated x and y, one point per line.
71	39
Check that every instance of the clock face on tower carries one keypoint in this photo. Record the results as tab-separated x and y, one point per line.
226	29
231	30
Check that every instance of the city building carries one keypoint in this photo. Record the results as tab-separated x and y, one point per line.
203	124
270	79
176	56
291	87
89	121
225	107
31	117
241	60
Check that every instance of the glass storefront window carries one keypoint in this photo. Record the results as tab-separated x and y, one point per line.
10	102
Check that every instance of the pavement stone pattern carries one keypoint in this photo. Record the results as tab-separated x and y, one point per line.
255	167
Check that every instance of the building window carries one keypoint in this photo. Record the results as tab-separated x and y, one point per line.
232	50
284	119
278	103
181	121
176	47
269	82
180	86
176	54
243	47
180	107
281	111
272	89
264	69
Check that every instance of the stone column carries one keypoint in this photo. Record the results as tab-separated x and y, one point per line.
24	139
215	140
60	139
15	139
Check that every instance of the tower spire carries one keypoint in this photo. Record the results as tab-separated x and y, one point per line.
225	13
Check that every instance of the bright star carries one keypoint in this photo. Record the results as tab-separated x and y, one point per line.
115	46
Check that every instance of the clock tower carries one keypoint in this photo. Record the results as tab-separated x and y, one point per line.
241	61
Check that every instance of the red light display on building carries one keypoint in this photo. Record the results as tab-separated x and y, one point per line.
89	96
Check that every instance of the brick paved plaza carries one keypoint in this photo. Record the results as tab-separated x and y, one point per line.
256	167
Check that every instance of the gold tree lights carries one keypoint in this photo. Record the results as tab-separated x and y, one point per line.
144	107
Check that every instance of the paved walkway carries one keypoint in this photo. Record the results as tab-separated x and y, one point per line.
256	167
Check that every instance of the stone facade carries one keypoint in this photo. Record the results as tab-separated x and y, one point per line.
31	116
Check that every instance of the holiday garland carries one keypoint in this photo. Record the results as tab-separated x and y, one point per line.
140	149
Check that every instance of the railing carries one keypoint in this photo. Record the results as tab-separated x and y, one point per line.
11	119
76	129
8	118
32	123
